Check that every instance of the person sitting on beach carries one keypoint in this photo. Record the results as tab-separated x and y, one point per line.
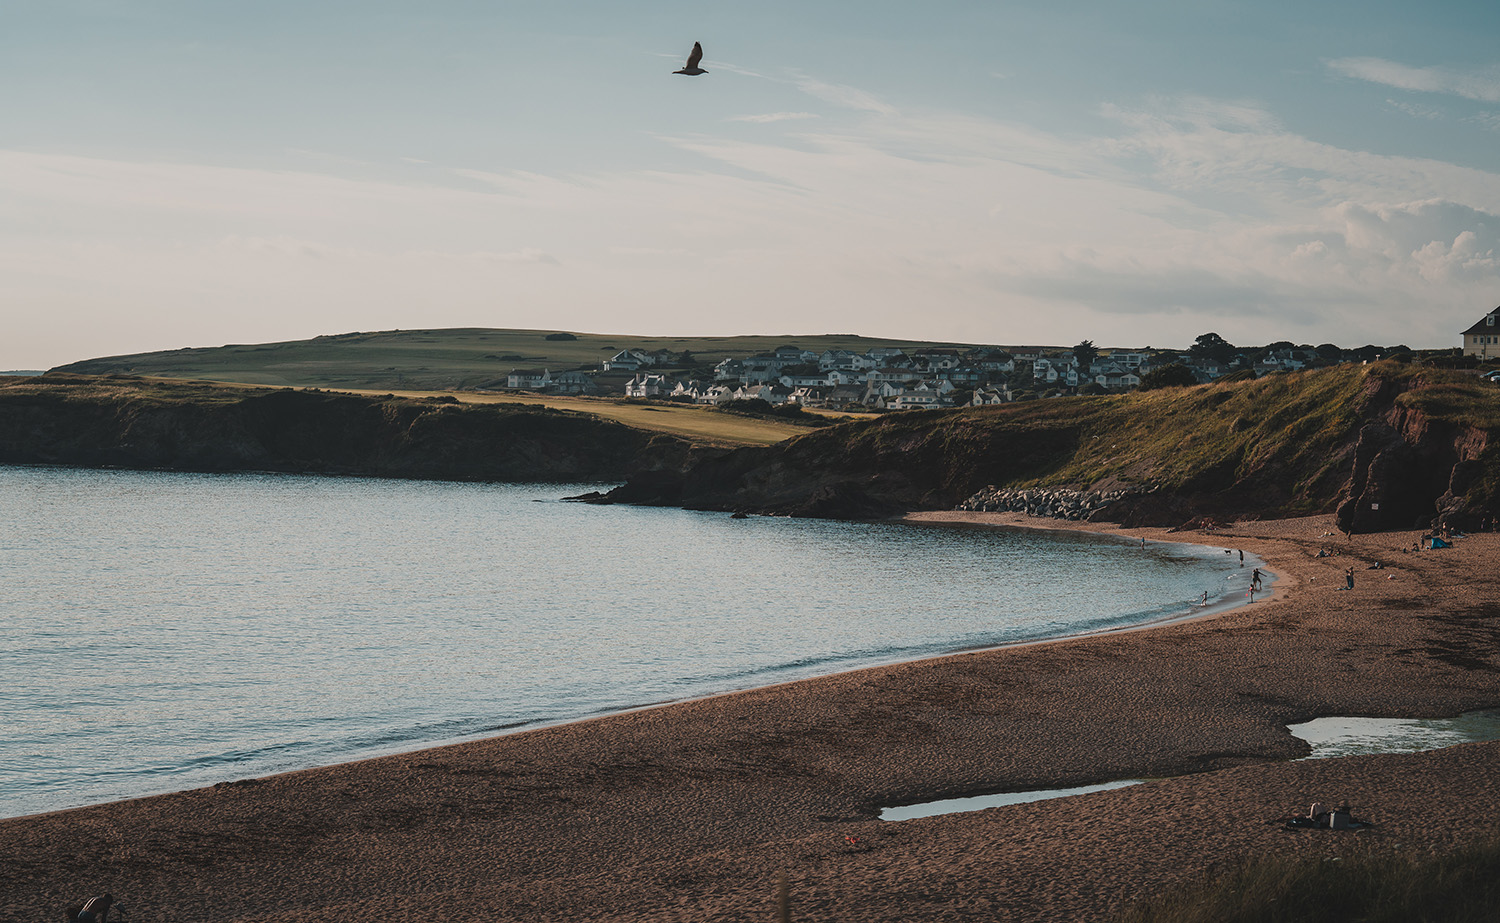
94	910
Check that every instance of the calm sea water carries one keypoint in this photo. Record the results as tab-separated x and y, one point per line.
164	631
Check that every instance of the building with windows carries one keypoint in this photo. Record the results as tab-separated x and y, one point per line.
1483	339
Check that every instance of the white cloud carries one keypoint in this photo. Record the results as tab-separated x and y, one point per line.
1187	215
773	117
1482	85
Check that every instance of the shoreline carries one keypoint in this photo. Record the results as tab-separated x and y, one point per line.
1218	606
690	811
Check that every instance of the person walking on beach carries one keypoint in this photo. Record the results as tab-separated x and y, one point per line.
1349	578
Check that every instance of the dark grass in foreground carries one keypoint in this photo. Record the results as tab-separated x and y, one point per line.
1382	888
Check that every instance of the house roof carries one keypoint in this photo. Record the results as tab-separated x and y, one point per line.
1483	325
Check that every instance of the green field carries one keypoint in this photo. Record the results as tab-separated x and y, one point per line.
437	360
698	425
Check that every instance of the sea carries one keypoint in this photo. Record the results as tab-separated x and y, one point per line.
163	631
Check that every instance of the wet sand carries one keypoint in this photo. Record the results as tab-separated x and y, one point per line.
691	811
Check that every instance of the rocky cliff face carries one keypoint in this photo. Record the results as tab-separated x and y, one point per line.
133	424
1410	471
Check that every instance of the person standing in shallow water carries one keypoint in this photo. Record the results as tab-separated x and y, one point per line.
1242	557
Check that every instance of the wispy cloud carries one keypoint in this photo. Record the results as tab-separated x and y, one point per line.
1488	120
1414	110
772	117
846	96
1482	85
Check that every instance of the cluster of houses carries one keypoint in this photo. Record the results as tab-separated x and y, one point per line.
885	378
889	378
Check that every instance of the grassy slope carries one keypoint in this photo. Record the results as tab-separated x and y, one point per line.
433	359
1383	888
1282	444
698	425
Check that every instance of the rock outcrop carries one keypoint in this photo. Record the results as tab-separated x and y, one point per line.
1053	502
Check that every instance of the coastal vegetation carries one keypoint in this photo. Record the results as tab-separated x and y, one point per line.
1283	444
699	425
1392	887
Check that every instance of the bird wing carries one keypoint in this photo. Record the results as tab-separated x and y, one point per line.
695	57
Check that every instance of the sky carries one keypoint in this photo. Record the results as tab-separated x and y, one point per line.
194	172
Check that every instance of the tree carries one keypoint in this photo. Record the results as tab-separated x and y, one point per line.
1213	346
1174	375
1086	353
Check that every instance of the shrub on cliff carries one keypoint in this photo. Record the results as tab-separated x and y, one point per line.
1175	375
759	407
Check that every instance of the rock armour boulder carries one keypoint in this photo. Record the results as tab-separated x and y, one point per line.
1050	502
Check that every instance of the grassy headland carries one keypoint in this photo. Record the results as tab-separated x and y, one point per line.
432	360
1284	444
133	423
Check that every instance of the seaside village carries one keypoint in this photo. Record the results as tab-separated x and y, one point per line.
916	379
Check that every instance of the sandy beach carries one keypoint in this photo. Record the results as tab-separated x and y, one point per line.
691	811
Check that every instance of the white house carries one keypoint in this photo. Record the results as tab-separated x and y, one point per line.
1483	339
1116	377
628	360
573	382
804	381
649	385
528	379
892	374
845	361
914	399
1056	371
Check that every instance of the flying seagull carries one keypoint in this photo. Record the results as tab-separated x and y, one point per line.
692	69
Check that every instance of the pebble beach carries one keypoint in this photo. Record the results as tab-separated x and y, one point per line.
693	811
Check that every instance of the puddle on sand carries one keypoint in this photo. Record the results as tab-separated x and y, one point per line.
1332	737
980	802
1329	737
